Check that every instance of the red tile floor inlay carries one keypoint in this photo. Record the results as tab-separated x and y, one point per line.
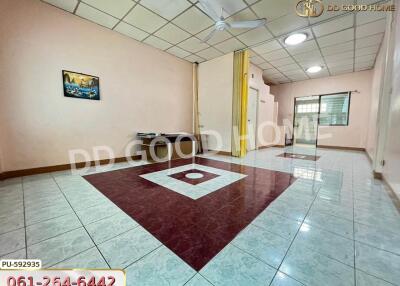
299	156
182	176
195	230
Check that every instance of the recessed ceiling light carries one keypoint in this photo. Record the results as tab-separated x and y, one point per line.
295	39
314	69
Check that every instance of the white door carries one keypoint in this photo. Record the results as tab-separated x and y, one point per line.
252	107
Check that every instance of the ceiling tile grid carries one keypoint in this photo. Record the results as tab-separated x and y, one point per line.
340	42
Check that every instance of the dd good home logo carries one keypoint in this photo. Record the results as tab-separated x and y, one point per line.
309	8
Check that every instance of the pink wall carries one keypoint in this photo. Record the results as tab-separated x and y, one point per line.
142	88
392	151
215	101
354	135
266	106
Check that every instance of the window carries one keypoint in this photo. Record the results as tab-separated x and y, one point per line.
307	108
335	109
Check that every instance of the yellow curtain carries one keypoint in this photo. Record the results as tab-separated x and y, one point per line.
239	107
196	120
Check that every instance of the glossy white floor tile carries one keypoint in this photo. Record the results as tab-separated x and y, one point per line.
336	225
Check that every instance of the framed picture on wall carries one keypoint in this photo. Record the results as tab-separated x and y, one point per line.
80	85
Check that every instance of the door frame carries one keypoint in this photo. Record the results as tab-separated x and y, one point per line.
294	118
256	123
319	111
385	94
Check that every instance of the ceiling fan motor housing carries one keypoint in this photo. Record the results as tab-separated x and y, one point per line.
221	25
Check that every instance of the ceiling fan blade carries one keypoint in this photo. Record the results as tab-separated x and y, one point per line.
209	36
205	4
248	24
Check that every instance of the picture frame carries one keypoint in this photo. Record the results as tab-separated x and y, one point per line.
80	85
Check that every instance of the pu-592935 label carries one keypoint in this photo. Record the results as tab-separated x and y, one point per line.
20	264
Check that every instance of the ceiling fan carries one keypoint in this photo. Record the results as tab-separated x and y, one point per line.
221	24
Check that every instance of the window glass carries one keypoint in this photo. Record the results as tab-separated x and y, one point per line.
334	109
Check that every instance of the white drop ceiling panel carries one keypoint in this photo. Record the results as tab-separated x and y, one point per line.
193	45
282	62
333	26
371	28
276	55
369	41
370	16
172	34
243	15
255	36
194	59
271	72
166	8
67	5
296	72
363	65
336	38
209	53
342	62
341	68
344	42
339	72
131	31
265	66
298	77
367	50
267	47
230	6
157	43
308	46
328	15
230	45
336	49
287	68
309	56
257	60
323	73
178	52
340	56
96	16
272	9
109	7
193	21
144	19
366	58
287	23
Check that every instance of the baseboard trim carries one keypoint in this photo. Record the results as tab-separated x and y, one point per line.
264	147
62	167
279	146
270	146
224	153
342	148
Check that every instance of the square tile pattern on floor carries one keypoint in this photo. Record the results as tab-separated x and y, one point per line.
335	225
193	180
194	221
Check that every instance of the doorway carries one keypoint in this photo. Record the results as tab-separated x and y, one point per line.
305	124
252	110
310	112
